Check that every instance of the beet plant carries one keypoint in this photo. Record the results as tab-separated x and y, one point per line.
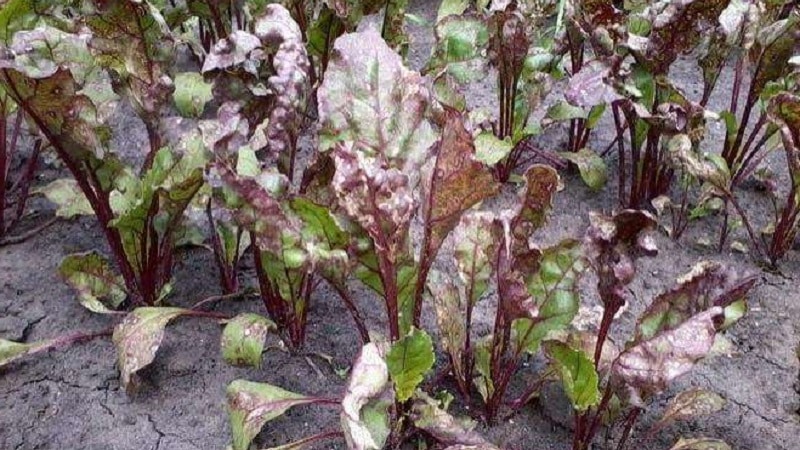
536	290
375	117
510	38
677	329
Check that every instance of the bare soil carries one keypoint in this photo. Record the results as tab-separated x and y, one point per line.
71	398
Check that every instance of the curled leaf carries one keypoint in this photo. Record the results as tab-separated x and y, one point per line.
590	165
649	366
429	417
243	339
99	288
364	417
251	405
690	404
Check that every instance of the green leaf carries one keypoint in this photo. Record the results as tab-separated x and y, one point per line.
591	166
138	337
99	288
562	111
451	8
243	339
490	150
409	360
251	405
554	287
191	94
67	196
578	375
11	351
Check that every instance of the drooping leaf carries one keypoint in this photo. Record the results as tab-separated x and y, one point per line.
771	50
243	339
138	337
11	351
251	405
364	417
99	288
191	94
590	165
708	284
649	366
691	403
67	196
683	156
578	375
700	444
408	360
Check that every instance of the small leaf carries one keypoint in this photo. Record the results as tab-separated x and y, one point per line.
138	337
591	166
451	8
251	405
578	375
243	339
700	444
11	351
691	404
564	111
490	150
191	94
364	417
409	360
66	194
99	288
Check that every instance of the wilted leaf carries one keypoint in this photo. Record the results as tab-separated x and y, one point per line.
475	251
11	351
682	155
67	196
99	288
191	94
364	417
689	404
578	375
429	417
649	366
243	339
590	165
700	444
251	405
138	337
589	88
408	360
450	312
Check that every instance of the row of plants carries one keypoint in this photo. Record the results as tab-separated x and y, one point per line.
278	133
